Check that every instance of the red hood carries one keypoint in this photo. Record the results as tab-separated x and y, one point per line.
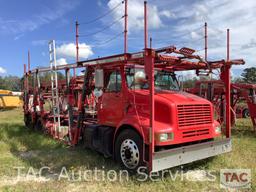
175	96
179	97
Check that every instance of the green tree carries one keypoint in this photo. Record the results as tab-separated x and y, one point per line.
237	80
46	76
249	75
12	83
189	83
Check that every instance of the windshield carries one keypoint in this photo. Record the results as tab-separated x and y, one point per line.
164	80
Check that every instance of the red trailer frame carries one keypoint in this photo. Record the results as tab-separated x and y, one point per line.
215	89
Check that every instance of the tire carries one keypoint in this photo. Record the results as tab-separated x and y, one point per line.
129	150
39	126
246	113
28	121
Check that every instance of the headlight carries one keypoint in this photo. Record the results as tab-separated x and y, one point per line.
162	137
218	129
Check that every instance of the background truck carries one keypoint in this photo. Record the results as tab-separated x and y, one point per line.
9	99
243	99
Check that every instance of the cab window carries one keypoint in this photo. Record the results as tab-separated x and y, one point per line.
164	80
113	82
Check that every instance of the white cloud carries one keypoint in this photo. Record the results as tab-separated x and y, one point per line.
61	61
2	70
249	45
201	12
237	15
136	14
69	50
182	24
167	14
195	35
186	75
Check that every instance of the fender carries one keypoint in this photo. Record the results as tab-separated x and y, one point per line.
131	120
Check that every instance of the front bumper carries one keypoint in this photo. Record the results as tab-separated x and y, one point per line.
182	155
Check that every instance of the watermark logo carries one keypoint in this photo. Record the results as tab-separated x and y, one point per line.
235	178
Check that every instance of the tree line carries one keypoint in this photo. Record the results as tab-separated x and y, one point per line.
248	76
12	83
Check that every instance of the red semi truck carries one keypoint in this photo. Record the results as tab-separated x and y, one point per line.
130	107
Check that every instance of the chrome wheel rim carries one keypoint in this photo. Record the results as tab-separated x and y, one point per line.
129	152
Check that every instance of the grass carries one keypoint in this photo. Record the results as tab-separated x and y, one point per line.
20	147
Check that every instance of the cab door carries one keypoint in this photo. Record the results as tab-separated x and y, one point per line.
110	110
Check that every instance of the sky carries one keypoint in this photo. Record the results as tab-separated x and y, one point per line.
29	25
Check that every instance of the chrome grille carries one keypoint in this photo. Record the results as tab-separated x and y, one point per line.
191	115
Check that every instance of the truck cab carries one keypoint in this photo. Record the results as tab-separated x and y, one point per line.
180	118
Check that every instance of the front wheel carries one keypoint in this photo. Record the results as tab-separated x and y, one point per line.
129	150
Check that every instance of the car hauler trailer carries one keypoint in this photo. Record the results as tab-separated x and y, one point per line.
214	90
129	107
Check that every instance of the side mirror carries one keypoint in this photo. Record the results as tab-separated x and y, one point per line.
99	78
98	93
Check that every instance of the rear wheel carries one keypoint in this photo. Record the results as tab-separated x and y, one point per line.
28	121
246	113
129	150
39	125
